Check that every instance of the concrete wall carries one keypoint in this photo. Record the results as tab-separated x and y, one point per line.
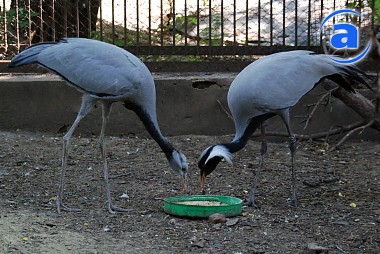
45	103
187	103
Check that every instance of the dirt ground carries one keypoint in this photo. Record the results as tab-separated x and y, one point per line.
338	212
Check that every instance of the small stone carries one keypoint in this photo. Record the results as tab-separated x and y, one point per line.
217	226
232	222
199	244
316	248
217	218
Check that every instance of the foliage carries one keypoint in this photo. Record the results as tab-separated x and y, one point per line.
23	17
11	26
375	8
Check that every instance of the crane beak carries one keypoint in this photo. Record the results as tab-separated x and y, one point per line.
183	183
202	183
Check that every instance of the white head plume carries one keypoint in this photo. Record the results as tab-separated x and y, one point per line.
220	151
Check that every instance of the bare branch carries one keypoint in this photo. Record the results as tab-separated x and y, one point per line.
359	103
360	128
332	131
319	102
225	110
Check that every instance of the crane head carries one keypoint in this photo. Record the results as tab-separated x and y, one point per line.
209	159
178	163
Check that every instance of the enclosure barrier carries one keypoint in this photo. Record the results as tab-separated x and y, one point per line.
174	27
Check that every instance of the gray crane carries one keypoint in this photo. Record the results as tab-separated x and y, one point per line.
108	74
267	87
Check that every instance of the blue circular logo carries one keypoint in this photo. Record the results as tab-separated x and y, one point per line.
345	36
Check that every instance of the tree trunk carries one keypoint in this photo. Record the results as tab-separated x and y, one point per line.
359	103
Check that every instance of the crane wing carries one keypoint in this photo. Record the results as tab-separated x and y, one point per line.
95	67
278	81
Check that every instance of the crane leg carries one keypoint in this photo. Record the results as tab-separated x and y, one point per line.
263	150
293	149
106	107
87	104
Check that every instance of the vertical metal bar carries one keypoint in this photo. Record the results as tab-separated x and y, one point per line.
53	28
77	18
246	22
271	23
65	19
259	23
162	25
29	24
283	22
137	23
209	24
150	23
222	23
309	24
113	21
373	15
5	28
186	23
41	22
198	35
101	20
334	10
174	24
89	5
125	24
295	23
320	35
360	18
17	27
234	15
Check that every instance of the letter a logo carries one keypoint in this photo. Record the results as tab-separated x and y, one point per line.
345	36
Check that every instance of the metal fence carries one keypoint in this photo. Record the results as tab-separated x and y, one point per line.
174	27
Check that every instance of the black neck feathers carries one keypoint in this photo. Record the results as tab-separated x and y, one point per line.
152	128
253	124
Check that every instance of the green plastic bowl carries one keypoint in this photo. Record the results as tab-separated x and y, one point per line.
202	206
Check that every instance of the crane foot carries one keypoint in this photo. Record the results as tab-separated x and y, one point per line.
112	209
61	206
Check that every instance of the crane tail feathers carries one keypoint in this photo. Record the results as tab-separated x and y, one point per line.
346	75
341	81
29	55
353	72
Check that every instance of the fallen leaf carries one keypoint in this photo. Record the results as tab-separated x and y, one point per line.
24	238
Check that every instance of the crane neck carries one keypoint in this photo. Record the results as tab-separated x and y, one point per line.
240	141
151	125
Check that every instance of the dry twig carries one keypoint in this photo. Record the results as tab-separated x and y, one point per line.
314	136
225	110
319	102
360	128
